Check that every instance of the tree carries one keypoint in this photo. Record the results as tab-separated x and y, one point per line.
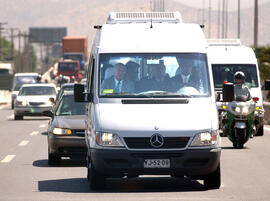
7	50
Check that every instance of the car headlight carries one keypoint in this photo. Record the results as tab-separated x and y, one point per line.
21	103
108	140
204	139
61	131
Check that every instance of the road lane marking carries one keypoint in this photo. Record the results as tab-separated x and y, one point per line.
34	133
11	116
8	158
23	143
42	126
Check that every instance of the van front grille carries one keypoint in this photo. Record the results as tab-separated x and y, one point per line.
144	142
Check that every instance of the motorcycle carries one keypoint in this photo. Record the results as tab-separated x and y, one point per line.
238	120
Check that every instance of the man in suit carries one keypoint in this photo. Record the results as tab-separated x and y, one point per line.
160	81
186	75
117	83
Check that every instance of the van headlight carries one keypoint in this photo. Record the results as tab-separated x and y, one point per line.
108	140
204	139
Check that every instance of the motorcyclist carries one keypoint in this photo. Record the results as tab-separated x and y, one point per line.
239	88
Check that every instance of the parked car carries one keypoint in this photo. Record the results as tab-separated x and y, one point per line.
33	99
18	80
66	129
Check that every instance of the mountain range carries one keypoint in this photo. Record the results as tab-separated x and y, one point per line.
79	16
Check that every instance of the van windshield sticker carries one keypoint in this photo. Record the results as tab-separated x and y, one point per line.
107	91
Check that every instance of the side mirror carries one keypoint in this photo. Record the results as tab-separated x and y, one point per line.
228	92
48	114
79	93
267	85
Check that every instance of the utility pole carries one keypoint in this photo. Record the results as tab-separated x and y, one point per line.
203	16
226	19
209	19
238	21
1	28
223	18
256	23
218	19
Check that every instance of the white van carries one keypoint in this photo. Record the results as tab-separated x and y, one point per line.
153	123
229	56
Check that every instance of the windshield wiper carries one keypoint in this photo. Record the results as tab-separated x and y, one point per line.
154	93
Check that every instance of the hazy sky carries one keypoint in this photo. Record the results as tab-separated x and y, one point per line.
232	4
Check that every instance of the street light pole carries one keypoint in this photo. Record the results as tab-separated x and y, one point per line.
256	23
238	21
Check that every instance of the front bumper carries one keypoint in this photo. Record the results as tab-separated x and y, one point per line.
66	145
193	163
31	111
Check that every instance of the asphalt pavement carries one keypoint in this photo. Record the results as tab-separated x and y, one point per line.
26	176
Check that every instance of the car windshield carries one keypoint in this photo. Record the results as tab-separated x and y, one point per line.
24	80
67	66
63	89
225	73
37	91
67	106
153	75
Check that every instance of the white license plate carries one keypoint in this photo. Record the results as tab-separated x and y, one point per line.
156	163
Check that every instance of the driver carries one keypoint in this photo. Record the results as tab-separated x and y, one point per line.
239	88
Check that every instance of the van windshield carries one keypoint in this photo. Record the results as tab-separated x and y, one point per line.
153	75
225	72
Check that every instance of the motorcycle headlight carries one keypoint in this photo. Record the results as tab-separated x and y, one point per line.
245	110
237	109
108	140
204	139
61	131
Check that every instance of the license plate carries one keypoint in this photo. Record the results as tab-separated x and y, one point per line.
156	163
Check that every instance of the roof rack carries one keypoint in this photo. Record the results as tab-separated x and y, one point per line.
224	42
142	17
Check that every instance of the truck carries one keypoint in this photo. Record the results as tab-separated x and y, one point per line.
75	48
71	68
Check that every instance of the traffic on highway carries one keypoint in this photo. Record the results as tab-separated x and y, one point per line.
155	111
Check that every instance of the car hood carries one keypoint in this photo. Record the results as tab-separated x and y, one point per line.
138	119
35	98
72	122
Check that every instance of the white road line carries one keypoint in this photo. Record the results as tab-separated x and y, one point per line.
23	143
266	128
34	133
42	126
8	158
11	116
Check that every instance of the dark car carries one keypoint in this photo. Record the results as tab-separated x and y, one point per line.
66	129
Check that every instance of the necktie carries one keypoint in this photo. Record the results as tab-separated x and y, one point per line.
118	87
185	79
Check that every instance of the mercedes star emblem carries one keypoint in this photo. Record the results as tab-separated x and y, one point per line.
157	140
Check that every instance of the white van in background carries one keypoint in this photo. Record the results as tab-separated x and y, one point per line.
228	56
143	119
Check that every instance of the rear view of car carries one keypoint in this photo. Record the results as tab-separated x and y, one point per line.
66	130
33	100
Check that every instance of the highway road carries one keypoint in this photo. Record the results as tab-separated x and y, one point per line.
26	176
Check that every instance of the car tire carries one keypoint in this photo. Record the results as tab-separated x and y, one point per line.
53	159
18	117
260	131
213	180
96	180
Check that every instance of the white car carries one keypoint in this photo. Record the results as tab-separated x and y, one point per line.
33	100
